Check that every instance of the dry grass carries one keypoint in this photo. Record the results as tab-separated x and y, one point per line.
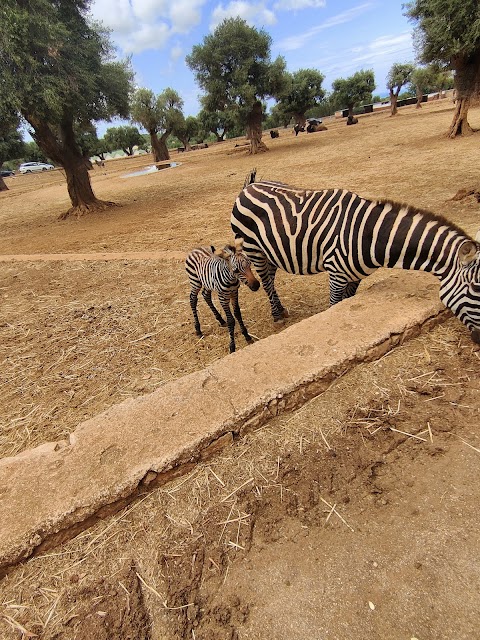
79	337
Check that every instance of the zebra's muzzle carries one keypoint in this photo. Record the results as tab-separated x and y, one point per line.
254	286
476	335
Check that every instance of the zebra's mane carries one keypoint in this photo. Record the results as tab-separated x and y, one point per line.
412	211
408	209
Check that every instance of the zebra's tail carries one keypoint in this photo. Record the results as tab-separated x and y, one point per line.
250	177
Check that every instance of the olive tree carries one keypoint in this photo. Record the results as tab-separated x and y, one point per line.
354	90
304	92
234	69
448	32
124	138
398	76
157	114
11	144
57	71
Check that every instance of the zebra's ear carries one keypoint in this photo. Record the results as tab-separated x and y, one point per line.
477	237
238	244
221	253
467	252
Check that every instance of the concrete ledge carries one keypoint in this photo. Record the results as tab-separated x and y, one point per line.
51	493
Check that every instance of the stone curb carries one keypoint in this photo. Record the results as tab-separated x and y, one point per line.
51	493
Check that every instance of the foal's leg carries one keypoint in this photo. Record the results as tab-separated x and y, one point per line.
224	299
193	303
238	316
207	296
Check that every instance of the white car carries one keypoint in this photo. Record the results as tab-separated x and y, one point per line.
29	167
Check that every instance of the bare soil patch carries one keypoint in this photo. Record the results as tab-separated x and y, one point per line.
245	547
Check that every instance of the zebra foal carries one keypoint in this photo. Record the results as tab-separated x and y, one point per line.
304	231
220	270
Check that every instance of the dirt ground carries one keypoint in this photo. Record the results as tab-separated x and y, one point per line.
249	545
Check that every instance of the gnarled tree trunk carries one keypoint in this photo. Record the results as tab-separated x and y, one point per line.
159	147
3	186
254	129
62	149
467	86
393	103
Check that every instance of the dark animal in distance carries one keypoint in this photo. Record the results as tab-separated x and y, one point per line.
274	133
315	125
305	231
352	120
220	270
297	128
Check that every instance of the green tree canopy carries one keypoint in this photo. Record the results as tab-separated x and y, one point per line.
57	71
398	76
158	115
185	129
354	90
217	122
11	142
124	138
448	32
304	92
234	69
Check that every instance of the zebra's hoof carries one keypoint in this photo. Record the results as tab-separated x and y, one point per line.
285	313
279	321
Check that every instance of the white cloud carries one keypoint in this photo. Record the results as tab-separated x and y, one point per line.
176	52
252	13
386	48
185	14
146	24
297	42
296	5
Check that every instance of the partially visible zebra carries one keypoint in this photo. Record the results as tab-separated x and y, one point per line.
304	231
220	270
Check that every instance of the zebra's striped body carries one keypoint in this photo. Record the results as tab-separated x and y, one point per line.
305	232
221	271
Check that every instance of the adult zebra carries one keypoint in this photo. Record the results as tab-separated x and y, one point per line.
304	231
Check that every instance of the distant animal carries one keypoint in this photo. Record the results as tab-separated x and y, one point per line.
305	231
352	120
297	128
220	270
315	125
274	133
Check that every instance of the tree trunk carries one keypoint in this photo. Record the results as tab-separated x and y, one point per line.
419	93
459	125
467	86
254	129
300	119
159	147
80	189
63	150
393	103
3	186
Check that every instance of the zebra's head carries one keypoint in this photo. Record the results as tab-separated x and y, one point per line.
461	291
240	264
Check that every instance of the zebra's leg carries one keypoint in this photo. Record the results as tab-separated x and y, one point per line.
350	290
238	316
267	271
193	303
338	285
207	296
341	287
224	299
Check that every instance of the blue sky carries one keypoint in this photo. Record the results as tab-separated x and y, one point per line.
337	37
